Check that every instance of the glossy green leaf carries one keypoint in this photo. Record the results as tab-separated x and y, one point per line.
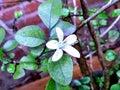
95	22
50	12
77	83
102	15
2	35
44	65
28	59
65	26
12	55
52	85
118	73
113	35
103	22
91	43
86	80
11	68
36	51
115	13
10	45
115	87
1	53
19	73
29	65
31	36
110	55
3	67
84	87
62	70
18	14
64	12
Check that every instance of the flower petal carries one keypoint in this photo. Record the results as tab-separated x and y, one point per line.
71	39
72	51
53	44
60	34
57	55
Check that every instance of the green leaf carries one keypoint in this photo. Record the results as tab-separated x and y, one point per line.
19	72
113	35
110	55
31	36
5	60
2	35
86	80
64	12
115	87
102	15
65	26
50	12
1	53
29	65
52	85
62	70
28	59
92	43
11	68
36	51
44	65
10	45
84	87
3	67
12	55
118	73
18	14
77	83
115	13
95	22
103	22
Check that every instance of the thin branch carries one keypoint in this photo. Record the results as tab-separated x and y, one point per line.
97	44
110	27
8	30
75	11
98	12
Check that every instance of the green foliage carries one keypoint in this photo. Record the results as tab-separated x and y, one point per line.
36	51
31	36
10	45
11	68
61	71
50	11
115	87
44	65
99	81
84	87
118	73
77	83
110	55
19	72
2	34
18	14
115	13
86	80
64	12
65	26
113	35
103	22
52	85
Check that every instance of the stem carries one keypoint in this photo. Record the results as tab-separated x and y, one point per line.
97	44
98	12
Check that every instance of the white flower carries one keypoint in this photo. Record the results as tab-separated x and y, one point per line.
63	45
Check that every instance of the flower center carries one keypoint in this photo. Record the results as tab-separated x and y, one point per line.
62	44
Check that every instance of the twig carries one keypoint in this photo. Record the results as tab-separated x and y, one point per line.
8	30
97	44
75	11
98	12
110	27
